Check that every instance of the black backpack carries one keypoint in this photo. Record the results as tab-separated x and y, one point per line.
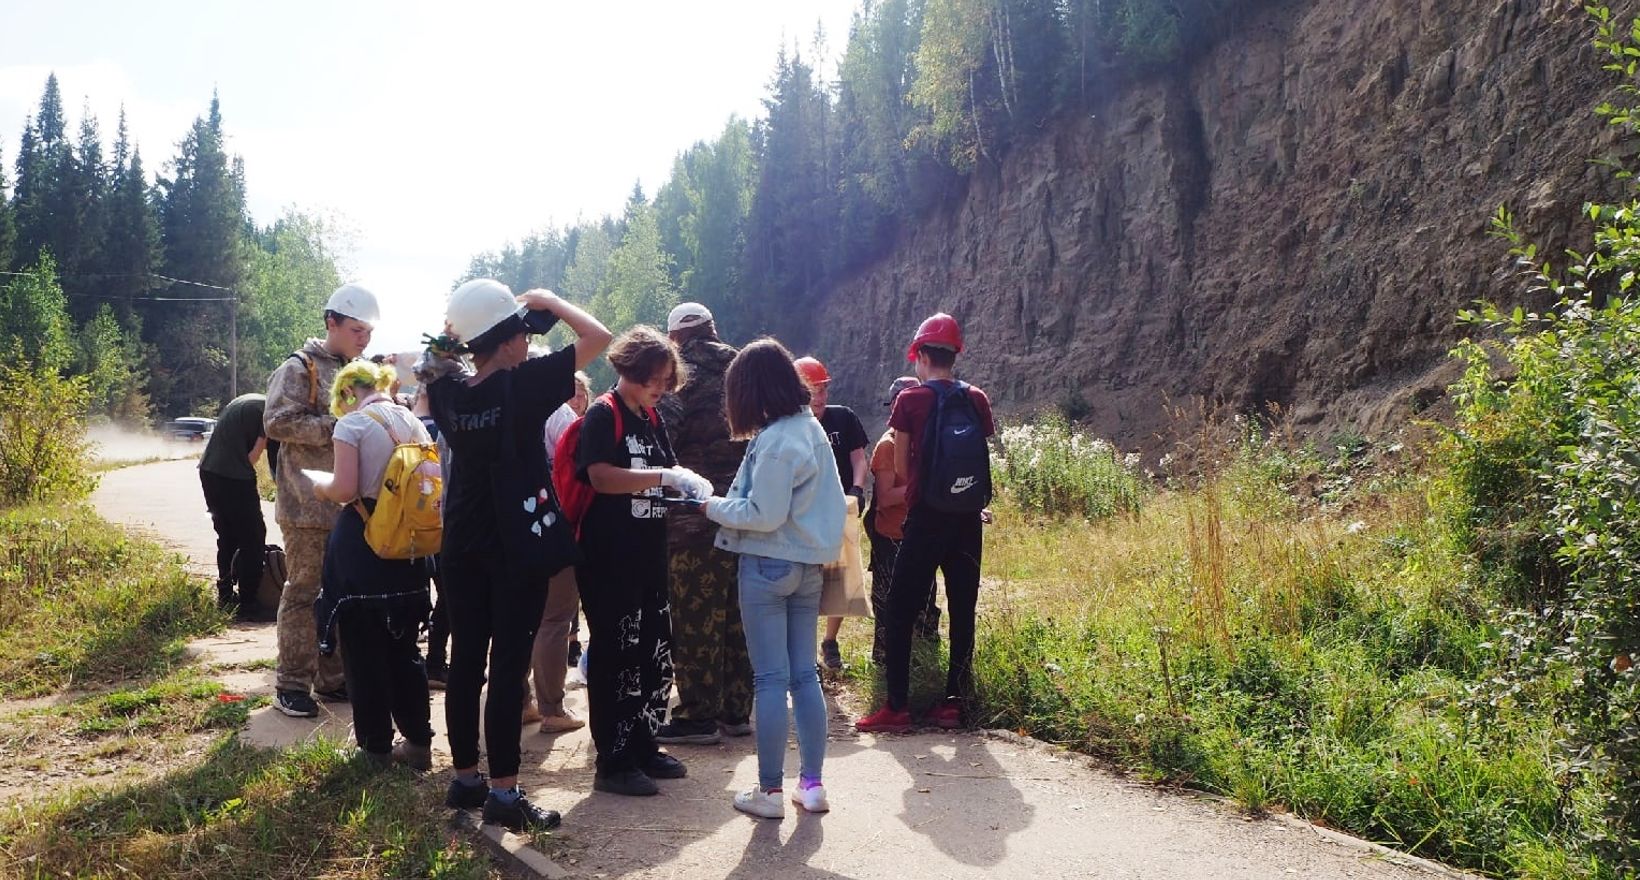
956	462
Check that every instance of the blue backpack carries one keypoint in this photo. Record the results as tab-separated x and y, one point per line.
956	462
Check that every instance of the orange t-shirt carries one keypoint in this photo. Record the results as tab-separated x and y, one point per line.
890	521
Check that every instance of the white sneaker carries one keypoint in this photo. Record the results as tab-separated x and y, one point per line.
812	800
758	802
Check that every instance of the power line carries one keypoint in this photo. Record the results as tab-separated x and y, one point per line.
138	297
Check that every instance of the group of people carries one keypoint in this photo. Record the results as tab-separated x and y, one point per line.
688	511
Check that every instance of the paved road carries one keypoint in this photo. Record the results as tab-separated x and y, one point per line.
919	806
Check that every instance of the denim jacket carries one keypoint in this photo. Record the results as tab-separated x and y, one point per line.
786	501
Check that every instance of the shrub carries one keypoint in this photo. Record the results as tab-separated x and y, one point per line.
44	453
1051	468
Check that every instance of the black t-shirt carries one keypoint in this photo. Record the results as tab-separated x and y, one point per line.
499	497
623	521
846	434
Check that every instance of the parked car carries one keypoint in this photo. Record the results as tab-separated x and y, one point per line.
189	429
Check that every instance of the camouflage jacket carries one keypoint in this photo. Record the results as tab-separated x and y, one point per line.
298	416
700	433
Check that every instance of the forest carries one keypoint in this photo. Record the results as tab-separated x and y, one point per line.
159	295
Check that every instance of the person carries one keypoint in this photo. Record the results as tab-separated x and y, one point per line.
374	605
227	477
504	536
300	421
848	447
885	527
549	659
784	515
623	546
438	620
713	673
950	542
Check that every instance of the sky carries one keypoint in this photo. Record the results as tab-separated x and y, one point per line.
430	131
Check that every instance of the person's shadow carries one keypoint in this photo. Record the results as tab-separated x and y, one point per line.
766	856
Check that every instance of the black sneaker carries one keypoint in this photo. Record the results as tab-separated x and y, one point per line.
743	727
296	704
339	695
248	611
632	783
461	796
694	733
830	656
663	766
520	815
574	653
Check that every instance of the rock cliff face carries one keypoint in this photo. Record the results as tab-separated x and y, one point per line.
1296	219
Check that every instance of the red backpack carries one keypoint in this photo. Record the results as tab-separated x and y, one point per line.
575	494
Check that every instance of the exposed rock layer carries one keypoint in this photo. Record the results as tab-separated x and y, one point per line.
1296	219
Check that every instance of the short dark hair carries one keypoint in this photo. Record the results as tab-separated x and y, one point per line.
493	338
943	358
708	329
761	385
642	352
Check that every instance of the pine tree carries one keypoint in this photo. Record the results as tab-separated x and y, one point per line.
131	247
43	154
8	224
80	211
202	221
791	224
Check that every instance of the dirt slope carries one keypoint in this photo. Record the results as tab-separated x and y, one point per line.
1295	219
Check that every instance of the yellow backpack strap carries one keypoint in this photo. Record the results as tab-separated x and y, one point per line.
359	503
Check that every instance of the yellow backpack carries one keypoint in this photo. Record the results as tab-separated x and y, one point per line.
406	523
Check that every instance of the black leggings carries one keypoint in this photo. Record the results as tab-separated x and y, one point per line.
493	619
951	543
386	683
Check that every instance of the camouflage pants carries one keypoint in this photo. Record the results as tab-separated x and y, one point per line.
300	668
714	675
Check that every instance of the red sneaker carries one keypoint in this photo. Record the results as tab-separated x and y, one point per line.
947	715
885	720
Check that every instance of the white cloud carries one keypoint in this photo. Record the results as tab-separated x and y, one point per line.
438	131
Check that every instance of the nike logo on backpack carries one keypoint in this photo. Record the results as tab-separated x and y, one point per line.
962	484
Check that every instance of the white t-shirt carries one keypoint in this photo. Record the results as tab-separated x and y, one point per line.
557	424
375	447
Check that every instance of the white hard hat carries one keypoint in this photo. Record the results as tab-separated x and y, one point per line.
355	301
479	305
687	315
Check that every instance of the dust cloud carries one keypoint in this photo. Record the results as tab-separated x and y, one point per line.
119	444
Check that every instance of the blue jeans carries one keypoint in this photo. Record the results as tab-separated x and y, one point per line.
780	607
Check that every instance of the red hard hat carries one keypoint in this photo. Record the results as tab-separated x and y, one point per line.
941	330
811	371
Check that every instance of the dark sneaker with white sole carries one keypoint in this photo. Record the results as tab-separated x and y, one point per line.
296	704
692	733
518	814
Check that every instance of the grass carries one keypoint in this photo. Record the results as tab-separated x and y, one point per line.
1297	631
308	811
83	604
